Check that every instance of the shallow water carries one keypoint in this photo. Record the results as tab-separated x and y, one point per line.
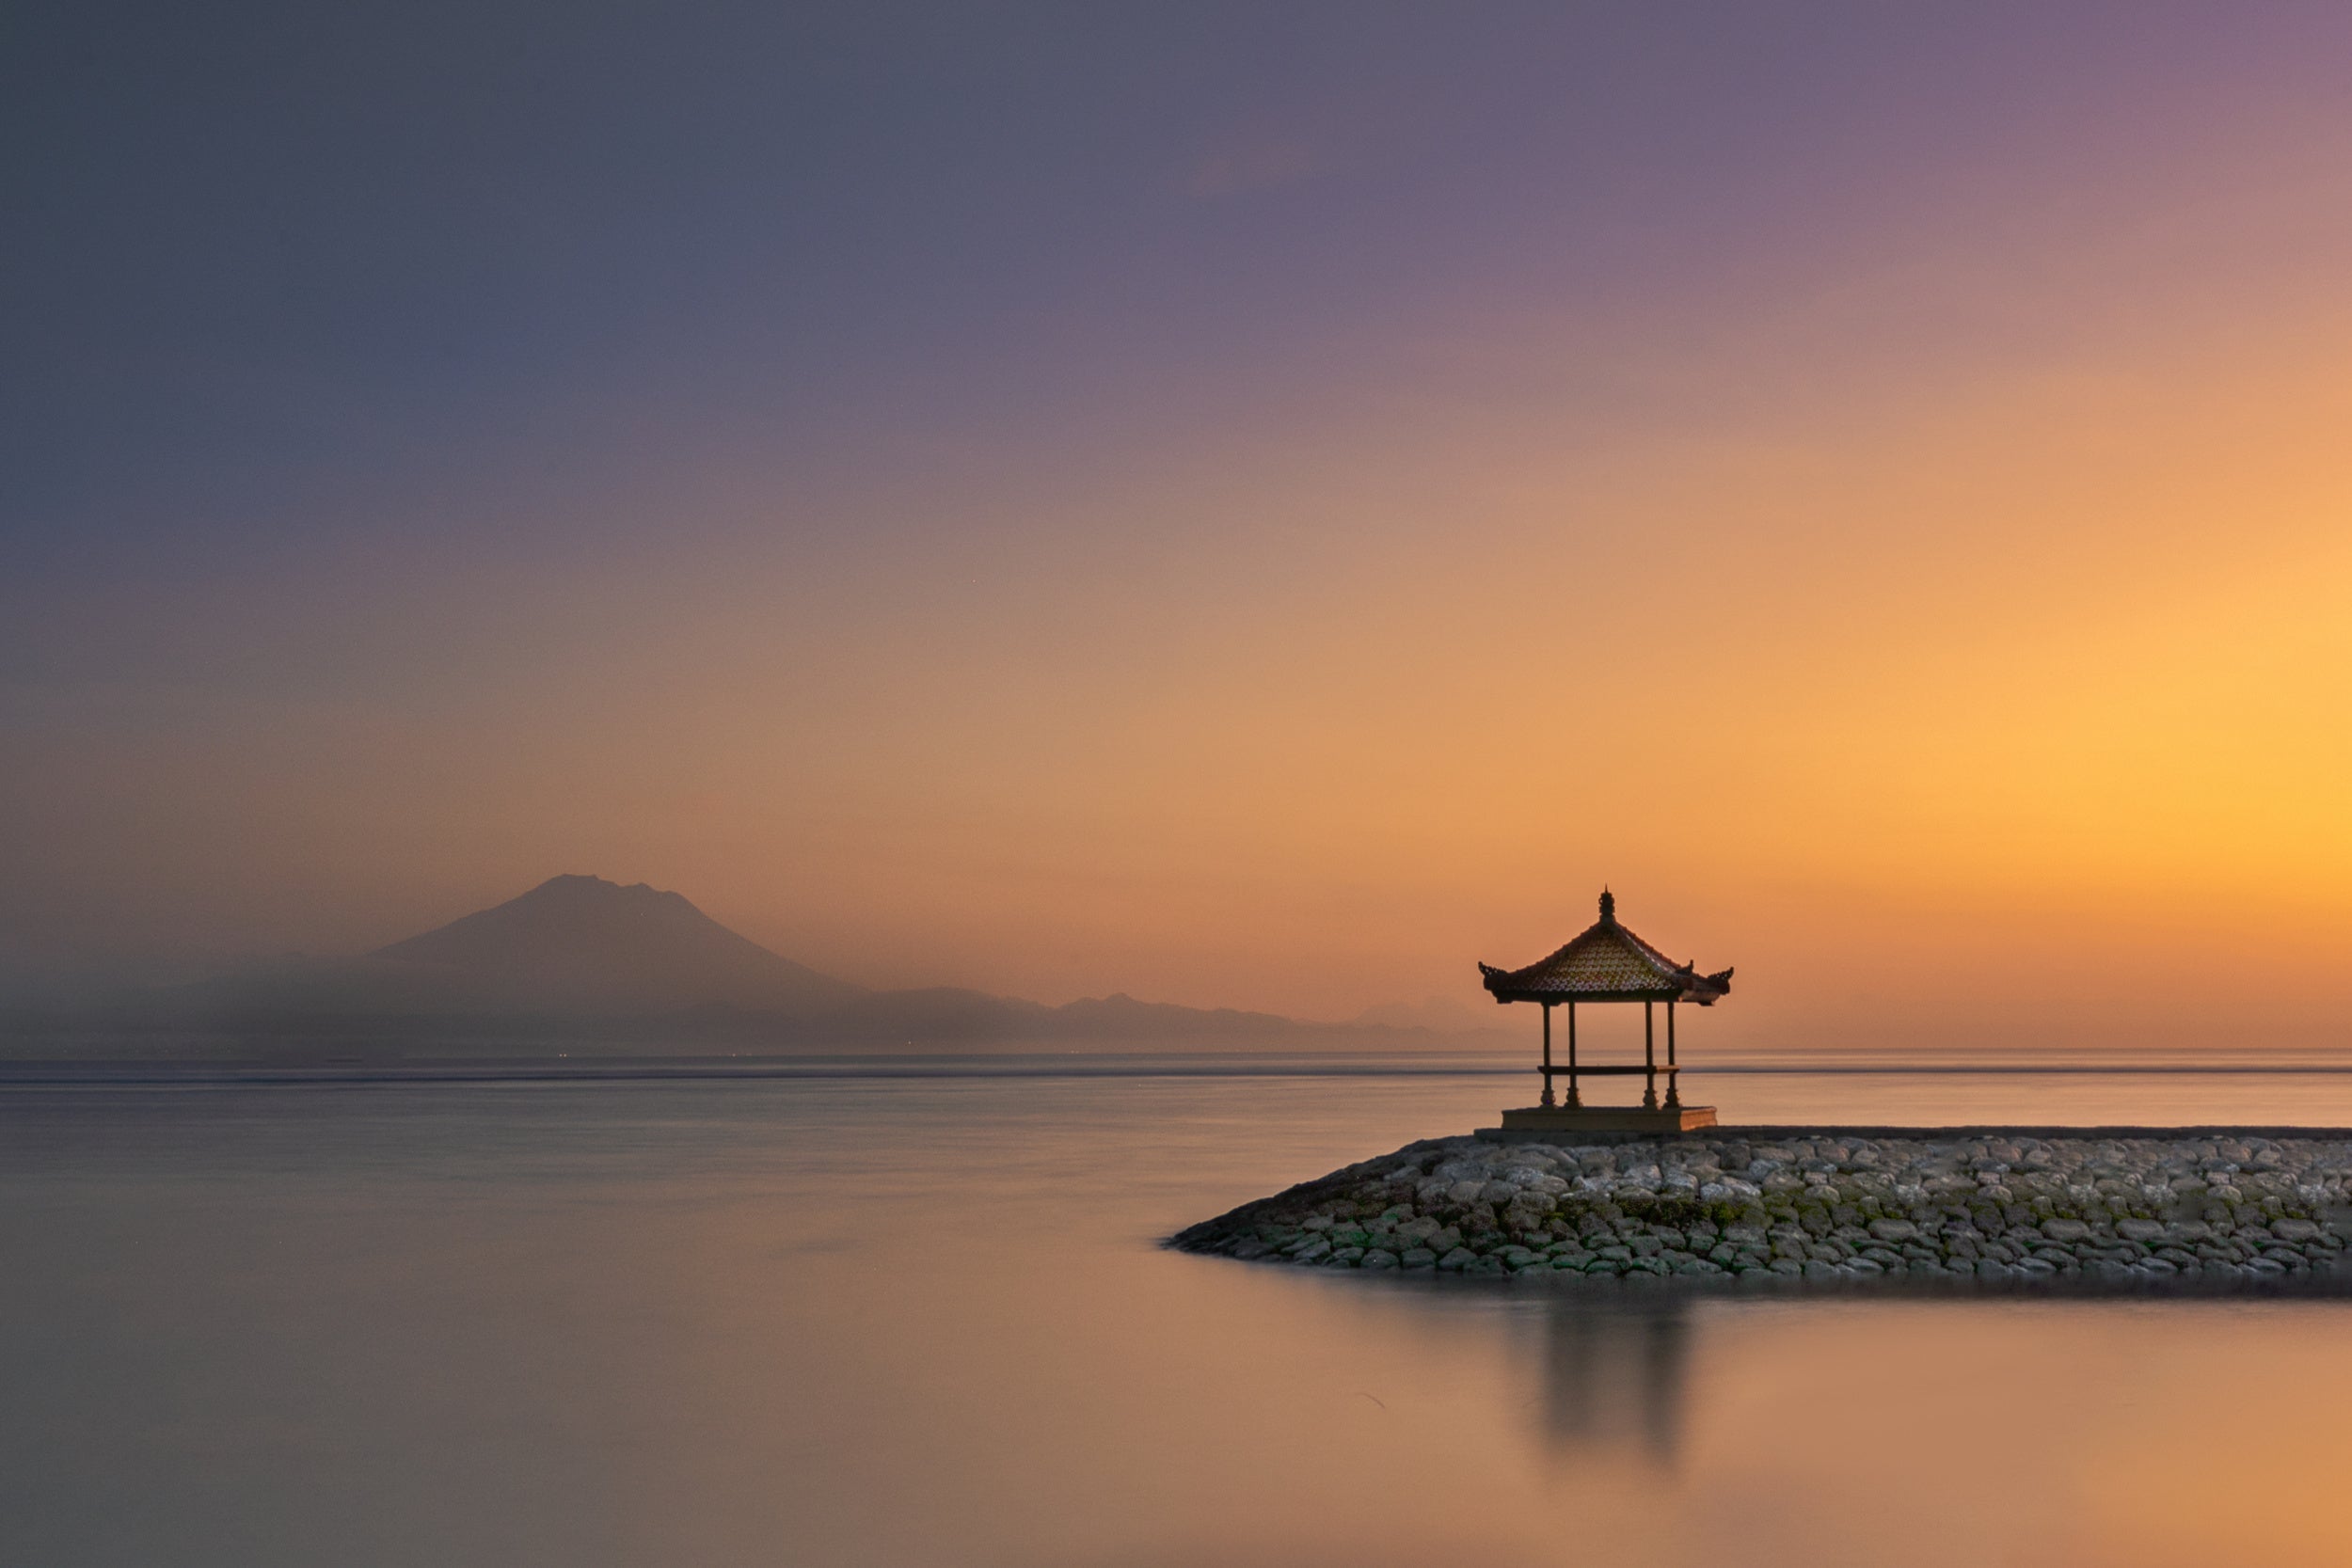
921	1321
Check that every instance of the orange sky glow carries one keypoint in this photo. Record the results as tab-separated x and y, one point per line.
1940	613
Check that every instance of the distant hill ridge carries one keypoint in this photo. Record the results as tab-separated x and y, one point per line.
581	959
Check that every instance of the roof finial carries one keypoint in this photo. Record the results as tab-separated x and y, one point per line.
1608	904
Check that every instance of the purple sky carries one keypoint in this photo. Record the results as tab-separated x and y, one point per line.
1058	492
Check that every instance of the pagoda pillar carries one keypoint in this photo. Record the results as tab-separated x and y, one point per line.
1575	1100
1649	1056
1673	1075
1548	1099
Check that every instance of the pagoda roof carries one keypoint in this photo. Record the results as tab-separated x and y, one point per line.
1605	962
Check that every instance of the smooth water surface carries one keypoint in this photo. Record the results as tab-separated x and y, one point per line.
922	1320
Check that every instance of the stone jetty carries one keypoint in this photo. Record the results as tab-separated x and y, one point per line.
2132	1208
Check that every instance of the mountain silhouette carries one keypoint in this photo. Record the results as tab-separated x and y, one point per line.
584	963
580	944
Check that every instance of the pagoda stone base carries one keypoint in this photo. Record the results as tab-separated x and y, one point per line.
1536	1120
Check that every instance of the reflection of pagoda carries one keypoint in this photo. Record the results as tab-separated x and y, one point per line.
1609	963
1616	1376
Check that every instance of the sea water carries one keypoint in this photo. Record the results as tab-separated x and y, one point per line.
921	1317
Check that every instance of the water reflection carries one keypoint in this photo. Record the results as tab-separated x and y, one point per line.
1616	1376
724	1324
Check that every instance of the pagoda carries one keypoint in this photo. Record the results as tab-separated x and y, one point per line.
1608	963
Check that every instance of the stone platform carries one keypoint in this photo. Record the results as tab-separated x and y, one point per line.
1552	1121
2195	1210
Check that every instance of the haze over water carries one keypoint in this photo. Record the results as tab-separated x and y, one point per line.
859	1321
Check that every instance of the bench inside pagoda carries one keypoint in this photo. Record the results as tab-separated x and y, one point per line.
1607	963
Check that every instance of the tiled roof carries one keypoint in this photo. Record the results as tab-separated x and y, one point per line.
1606	963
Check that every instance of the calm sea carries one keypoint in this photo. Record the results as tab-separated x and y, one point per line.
920	1318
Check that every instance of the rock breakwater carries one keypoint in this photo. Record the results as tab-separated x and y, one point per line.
2203	1211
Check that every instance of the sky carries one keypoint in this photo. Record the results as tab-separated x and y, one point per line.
1239	505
